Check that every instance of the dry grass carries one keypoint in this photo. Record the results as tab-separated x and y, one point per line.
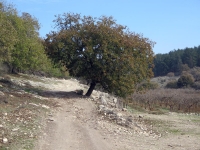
161	100
20	116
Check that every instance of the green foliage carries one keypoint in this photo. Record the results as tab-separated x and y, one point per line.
172	85
28	52
20	46
102	51
8	34
148	85
185	80
177	61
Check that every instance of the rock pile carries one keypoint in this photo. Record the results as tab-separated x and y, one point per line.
113	115
110	108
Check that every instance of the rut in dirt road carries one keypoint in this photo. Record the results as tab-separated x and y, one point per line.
73	128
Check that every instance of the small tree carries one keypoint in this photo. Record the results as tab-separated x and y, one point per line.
102	52
185	80
171	84
20	45
8	34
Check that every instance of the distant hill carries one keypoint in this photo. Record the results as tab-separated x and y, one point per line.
177	61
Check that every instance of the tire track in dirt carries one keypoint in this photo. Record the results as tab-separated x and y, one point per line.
69	131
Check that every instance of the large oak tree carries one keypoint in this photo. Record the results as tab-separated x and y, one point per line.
101	51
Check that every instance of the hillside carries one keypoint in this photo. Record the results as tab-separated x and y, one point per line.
47	113
177	61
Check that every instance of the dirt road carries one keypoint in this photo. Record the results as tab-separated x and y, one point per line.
72	126
76	125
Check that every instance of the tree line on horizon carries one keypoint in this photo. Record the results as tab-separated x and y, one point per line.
176	61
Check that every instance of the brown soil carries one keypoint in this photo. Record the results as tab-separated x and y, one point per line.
76	125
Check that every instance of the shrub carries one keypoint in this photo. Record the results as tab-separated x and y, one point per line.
185	80
148	85
172	85
196	85
196	73
185	67
170	74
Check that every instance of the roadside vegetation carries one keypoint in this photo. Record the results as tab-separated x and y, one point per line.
21	48
22	112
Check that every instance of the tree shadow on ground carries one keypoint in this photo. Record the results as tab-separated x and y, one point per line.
60	94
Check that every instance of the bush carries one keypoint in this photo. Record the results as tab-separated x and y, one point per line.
172	85
170	74
196	85
185	67
185	80
148	85
196	73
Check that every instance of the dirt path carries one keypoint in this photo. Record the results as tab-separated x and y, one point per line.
76	125
72	127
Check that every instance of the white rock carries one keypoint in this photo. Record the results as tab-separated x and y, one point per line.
101	107
11	95
31	136
103	100
1	93
15	129
5	140
45	106
33	104
115	100
119	115
124	109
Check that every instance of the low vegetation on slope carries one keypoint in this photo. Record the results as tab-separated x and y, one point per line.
21	114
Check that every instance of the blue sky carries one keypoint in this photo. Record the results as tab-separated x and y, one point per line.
172	24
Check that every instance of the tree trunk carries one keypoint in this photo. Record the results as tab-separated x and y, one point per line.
92	86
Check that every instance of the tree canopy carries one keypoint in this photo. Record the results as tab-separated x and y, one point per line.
177	61
8	34
21	48
101	51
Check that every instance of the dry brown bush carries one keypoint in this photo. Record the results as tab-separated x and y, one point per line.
196	85
195	73
179	100
185	67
